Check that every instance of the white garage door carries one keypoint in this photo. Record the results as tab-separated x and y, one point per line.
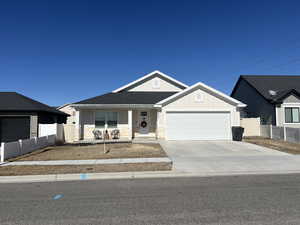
198	126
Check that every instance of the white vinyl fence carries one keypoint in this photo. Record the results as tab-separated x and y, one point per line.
281	133
52	129
251	126
21	147
63	132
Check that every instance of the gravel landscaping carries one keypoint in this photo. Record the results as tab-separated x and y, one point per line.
279	145
76	152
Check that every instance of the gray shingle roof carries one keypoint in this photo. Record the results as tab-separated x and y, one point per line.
282	85
12	101
128	98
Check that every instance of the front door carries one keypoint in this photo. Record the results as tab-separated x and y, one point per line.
144	122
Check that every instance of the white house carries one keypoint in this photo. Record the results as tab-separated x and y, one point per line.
157	105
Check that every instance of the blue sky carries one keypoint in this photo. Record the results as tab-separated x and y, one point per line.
66	51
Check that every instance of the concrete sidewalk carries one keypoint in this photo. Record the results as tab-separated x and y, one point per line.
88	162
129	175
190	159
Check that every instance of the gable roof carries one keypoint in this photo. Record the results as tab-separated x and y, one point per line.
281	95
281	85
13	101
62	106
148	76
200	84
129	97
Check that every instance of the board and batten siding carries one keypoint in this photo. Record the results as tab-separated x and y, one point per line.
148	86
257	106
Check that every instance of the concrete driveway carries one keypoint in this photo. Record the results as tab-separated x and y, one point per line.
228	157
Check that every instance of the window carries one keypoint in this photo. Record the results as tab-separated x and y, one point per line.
112	119
292	115
100	120
106	120
143	113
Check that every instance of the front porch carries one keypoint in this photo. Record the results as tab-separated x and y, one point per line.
131	123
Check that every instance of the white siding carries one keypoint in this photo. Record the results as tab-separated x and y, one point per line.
148	86
209	103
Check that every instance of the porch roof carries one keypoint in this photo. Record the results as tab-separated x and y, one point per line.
126	98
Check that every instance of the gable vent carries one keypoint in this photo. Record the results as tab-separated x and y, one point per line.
198	96
156	83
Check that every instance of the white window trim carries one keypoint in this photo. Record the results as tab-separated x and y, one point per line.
276	114
105	118
290	105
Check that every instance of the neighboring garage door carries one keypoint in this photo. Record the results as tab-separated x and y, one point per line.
14	128
198	126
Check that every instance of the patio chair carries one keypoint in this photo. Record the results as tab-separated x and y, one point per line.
115	134
97	134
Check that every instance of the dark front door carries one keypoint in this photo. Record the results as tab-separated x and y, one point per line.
14	128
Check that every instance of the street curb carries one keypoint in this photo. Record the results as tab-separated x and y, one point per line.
90	162
129	175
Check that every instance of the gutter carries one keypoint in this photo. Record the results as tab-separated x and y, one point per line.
118	106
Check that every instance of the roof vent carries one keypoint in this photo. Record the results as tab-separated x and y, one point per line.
273	93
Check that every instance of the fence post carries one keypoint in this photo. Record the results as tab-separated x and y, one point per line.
284	133
271	133
35	140
20	146
2	152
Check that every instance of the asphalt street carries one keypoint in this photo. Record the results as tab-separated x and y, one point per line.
260	199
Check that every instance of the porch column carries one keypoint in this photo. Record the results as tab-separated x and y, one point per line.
130	124
157	124
77	134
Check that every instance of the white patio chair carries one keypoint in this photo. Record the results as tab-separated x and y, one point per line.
97	134
115	134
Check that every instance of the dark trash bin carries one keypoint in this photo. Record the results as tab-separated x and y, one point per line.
237	133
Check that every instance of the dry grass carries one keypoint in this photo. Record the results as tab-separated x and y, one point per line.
115	150
279	145
42	170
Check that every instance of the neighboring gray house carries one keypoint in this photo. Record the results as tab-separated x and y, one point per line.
275	99
20	116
